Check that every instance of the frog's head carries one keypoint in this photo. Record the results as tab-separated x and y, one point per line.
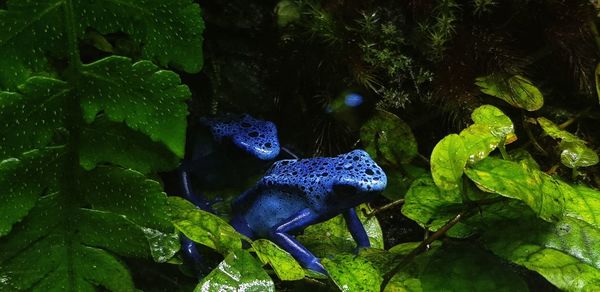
338	182
257	137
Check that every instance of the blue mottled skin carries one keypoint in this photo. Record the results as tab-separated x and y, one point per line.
294	194
257	137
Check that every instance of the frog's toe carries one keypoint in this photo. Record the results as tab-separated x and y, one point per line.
316	266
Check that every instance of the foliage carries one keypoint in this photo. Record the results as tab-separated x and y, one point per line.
93	117
80	141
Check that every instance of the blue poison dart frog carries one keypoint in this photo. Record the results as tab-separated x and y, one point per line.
208	158
294	194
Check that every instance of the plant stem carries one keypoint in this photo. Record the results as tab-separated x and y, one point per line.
385	207
435	236
69	180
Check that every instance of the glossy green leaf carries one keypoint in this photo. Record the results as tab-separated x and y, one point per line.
468	268
284	265
523	156
500	124
516	90
388	139
103	141
352	273
576	154
584	205
432	207
543	193
555	132
146	98
408	278
573	151
203	227
239	271
479	142
171	33
30	117
448	160
562	252
332	237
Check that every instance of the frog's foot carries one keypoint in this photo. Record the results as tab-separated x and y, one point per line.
191	255
280	234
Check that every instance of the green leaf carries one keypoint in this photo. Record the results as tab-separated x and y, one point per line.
332	237
107	142
561	251
146	98
479	142
284	265
573	153
466	267
48	257
543	193
555	132
239	271
516	90
171	33
30	117
18	195
388	139
432	207
584	205
576	154
203	227
140	201
500	124
408	278
448	160
352	273
129	193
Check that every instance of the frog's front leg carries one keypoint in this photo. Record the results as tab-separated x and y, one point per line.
280	234
356	228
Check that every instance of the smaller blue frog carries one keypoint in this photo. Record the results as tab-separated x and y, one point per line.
294	194
213	156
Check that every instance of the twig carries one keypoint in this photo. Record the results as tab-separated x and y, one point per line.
385	207
435	236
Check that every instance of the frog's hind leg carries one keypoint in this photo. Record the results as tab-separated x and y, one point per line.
241	225
188	193
280	234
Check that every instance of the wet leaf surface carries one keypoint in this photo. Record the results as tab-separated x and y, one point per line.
448	161
284	265
239	271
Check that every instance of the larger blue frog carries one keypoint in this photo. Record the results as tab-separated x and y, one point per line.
294	194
